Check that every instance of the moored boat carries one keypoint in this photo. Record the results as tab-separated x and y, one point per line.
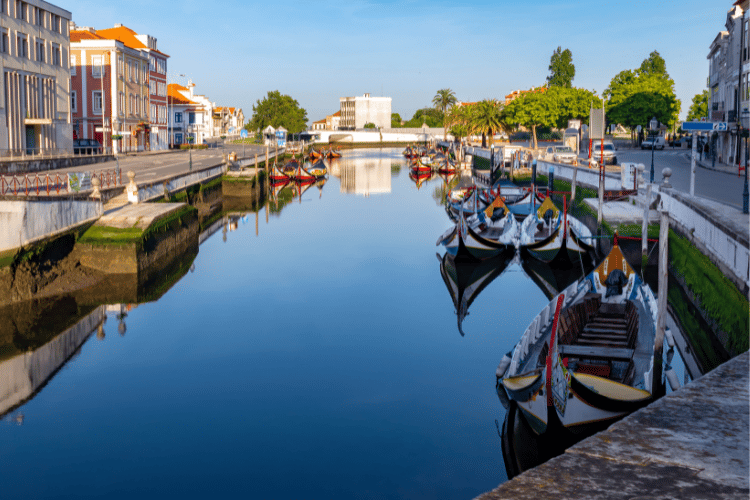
277	175
587	359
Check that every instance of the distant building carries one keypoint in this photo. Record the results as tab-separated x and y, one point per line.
228	121
518	93
358	111
333	122
318	125
34	50
187	115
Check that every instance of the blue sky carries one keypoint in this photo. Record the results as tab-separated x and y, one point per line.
235	51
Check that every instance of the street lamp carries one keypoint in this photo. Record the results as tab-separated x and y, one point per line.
745	192
652	126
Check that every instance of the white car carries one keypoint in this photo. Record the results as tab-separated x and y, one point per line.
564	154
653	142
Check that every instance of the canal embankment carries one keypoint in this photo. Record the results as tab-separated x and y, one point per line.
689	444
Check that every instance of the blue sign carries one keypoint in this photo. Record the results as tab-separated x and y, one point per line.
705	126
243	133
281	138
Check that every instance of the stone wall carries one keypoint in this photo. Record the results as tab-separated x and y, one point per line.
21	166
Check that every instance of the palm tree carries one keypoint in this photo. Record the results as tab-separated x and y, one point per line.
444	99
487	119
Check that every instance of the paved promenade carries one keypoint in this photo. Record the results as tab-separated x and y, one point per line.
691	444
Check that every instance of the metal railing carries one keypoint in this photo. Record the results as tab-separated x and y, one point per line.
31	154
55	184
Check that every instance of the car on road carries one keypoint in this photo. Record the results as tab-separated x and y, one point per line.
653	142
607	150
87	147
563	154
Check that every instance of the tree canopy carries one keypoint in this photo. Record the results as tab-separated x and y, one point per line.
699	108
561	69
444	99
430	116
552	108
395	120
485	117
636	96
278	110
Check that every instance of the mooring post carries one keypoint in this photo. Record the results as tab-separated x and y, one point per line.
600	215
644	227
657	387
692	164
573	187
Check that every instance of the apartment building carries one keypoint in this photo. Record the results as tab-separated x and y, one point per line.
190	118
35	105
228	121
156	111
358	111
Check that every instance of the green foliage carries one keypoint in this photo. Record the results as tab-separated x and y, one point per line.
370	125
699	108
718	296
444	99
395	120
193	146
430	116
278	110
486	118
635	96
561	68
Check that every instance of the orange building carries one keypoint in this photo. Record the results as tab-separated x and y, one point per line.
518	93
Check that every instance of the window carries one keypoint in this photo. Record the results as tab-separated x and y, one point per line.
55	23
152	87
56	55
5	42
73	101
131	105
120	67
38	16
20	10
3	10
73	65
22	46
121	104
96	66
178	117
39	50
153	112
96	102
152	63
191	118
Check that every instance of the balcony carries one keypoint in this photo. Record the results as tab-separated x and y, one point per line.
732	115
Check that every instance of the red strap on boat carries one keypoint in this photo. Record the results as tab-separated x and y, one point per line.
553	348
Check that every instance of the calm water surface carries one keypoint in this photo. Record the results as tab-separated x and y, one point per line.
318	359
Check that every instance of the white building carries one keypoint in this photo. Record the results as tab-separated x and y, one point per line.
358	111
34	58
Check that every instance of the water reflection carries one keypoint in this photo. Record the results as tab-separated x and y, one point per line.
362	174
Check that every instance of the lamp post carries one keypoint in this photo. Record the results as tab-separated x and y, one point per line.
745	192
652	126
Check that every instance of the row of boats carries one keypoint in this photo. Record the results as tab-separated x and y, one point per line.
305	170
587	359
424	161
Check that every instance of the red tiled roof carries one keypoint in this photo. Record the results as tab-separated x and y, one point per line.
175	97
78	35
337	113
126	36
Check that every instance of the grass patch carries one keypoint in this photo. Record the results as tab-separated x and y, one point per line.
718	296
693	326
100	235
481	163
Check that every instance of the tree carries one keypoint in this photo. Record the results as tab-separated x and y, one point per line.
486	118
444	99
395	120
370	125
458	120
573	103
636	96
699	108
278	111
430	116
561	68
532	110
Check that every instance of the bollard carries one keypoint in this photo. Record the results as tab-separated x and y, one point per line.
95	194
657	387
533	172
644	228
551	181
666	173
132	188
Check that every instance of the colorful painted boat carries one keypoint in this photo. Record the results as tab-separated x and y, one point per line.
277	175
486	234
551	235
587	359
318	169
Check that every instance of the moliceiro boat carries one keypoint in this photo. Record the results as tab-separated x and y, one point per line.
486	234
587	359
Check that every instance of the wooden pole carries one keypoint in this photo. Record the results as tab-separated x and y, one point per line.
573	187
644	228
657	387
600	216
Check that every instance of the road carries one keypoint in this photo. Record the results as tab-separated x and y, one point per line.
718	186
155	165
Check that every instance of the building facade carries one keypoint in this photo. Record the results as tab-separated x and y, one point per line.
358	111
35	105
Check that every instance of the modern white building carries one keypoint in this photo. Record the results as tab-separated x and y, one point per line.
358	111
34	57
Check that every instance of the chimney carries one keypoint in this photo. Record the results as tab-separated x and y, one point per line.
190	86
118	25
367	95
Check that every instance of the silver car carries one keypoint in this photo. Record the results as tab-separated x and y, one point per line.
564	154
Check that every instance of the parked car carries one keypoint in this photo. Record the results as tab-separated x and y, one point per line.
653	142
87	147
606	150
564	154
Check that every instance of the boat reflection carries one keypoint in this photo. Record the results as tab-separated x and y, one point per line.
465	279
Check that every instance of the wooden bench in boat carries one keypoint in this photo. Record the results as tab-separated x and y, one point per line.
588	351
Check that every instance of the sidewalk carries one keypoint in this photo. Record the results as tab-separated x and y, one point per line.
718	167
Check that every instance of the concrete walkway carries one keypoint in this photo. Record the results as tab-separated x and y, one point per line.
691	444
621	212
717	167
140	215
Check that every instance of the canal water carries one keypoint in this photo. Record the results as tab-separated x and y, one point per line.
315	357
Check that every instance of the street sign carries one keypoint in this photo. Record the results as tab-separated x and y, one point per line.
102	129
698	126
243	133
720	126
